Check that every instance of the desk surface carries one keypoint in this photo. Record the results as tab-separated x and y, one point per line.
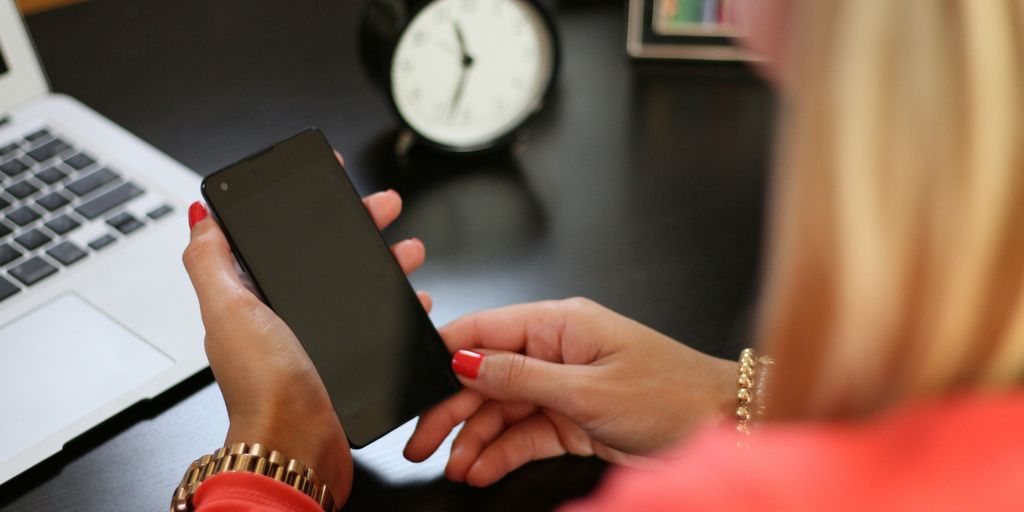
641	187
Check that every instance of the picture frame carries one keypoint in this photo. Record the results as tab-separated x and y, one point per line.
684	29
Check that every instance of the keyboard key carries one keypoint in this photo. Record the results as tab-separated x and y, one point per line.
80	161
32	271
7	288
22	189
52	201
4	203
8	149
13	167
104	203
4	230
125	223
159	211
23	215
62	224
36	135
102	242
66	253
50	175
83	186
48	150
32	239
119	219
8	254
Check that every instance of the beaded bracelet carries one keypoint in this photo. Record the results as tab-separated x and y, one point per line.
750	389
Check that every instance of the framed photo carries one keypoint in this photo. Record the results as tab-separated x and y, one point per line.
685	29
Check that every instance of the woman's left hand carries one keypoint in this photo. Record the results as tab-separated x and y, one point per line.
273	393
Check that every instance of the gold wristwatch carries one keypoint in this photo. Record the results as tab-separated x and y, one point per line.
254	458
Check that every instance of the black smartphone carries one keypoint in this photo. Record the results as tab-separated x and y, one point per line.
300	230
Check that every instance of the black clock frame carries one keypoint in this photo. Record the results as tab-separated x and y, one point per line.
384	22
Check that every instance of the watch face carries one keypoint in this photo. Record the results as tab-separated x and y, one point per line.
467	72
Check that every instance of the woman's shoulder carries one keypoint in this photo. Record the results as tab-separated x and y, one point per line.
957	453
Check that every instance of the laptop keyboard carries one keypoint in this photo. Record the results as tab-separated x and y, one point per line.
51	190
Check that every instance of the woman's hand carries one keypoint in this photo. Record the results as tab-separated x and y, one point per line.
273	393
550	378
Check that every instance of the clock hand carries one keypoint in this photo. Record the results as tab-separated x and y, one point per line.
459	88
467	60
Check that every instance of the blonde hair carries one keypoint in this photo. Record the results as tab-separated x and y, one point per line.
896	264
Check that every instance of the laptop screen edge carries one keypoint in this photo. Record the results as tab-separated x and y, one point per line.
24	79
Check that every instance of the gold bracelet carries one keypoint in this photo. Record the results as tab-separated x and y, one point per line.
750	385
254	458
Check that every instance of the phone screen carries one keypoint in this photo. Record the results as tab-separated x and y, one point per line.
299	228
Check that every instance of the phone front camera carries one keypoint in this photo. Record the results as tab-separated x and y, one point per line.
224	187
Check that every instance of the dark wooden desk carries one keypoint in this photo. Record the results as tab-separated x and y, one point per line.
641	187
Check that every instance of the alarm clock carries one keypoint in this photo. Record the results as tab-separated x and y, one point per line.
463	76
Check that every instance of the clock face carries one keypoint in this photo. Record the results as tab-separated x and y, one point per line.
467	72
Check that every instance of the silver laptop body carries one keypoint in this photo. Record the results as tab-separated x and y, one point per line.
96	311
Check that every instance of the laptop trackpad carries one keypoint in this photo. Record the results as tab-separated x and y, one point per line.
62	361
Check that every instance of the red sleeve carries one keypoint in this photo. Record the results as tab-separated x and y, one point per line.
249	492
959	455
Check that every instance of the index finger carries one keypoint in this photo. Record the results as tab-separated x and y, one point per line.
534	328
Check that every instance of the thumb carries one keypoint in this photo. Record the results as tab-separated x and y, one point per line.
211	267
514	377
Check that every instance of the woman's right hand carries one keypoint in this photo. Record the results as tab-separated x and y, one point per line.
549	378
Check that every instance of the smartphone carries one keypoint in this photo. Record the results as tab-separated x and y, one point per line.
298	227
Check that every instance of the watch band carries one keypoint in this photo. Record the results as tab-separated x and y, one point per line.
254	458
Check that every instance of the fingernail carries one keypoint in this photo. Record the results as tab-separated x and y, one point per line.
467	363
196	213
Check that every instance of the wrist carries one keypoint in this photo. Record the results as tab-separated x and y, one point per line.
295	423
717	393
726	393
316	440
295	445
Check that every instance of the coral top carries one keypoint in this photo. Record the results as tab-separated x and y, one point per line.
963	453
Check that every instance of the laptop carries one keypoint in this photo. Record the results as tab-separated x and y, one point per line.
96	311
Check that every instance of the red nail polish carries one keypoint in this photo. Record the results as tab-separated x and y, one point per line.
196	213
467	363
